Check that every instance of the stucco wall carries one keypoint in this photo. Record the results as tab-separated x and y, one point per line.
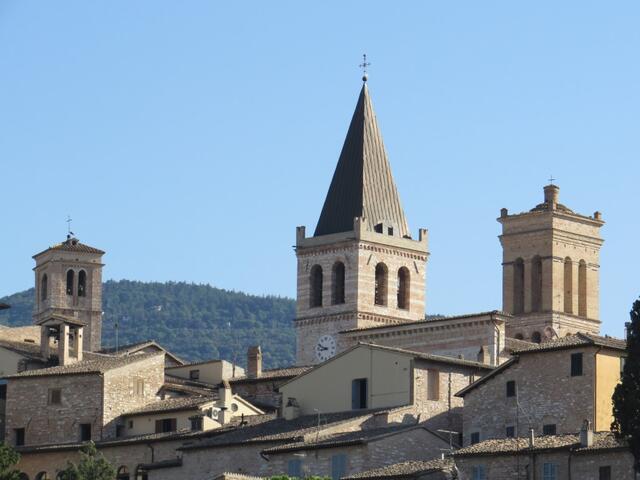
607	378
328	387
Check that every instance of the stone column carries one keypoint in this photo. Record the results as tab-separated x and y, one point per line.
507	288
63	345
77	342
44	342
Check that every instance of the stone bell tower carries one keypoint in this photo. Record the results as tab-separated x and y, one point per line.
551	263
68	281
361	268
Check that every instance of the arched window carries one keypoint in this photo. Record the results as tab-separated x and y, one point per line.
519	336
82	283
536	284
123	473
43	287
41	476
568	285
380	294
536	337
518	286
315	281
403	288
337	283
582	288
141	473
70	275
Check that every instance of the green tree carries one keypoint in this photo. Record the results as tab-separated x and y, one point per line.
92	466
8	459
626	397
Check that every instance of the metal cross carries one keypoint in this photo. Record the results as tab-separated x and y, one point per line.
68	224
364	64
551	179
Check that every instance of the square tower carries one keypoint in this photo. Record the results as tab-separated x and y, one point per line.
551	262
361	268
68	283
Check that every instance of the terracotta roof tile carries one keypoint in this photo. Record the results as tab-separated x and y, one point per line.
94	363
601	441
273	374
72	245
573	341
414	468
172	405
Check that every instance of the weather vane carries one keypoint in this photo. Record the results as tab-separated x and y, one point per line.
69	232
364	66
551	179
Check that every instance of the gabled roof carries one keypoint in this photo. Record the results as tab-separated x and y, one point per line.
95	363
410	469
171	405
359	437
362	184
266	429
285	373
574	341
134	348
487	377
27	349
416	355
56	319
510	446
72	244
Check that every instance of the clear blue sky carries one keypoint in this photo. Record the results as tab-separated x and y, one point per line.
188	139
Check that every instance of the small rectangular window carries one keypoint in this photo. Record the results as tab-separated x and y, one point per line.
511	432
166	425
294	468
511	388
433	385
194	374
3	391
119	430
130	424
55	396
85	432
549	471
576	364
196	423
139	387
338	466
475	438
359	393
549	429
478	473
605	473
19	436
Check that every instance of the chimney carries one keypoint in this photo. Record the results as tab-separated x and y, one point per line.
224	401
586	434
254	362
532	438
551	193
291	409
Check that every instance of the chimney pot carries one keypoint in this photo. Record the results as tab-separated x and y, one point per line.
586	434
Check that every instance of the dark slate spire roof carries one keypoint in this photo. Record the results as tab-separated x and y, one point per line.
362	184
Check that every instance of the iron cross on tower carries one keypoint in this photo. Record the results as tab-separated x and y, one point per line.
69	232
551	179
364	66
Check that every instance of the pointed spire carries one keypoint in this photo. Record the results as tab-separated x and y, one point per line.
362	184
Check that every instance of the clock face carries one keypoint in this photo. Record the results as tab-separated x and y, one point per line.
325	348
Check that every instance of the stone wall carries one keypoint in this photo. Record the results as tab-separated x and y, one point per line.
28	407
120	392
416	444
547	394
583	466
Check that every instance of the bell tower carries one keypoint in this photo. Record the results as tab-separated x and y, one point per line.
68	281
551	263
361	268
